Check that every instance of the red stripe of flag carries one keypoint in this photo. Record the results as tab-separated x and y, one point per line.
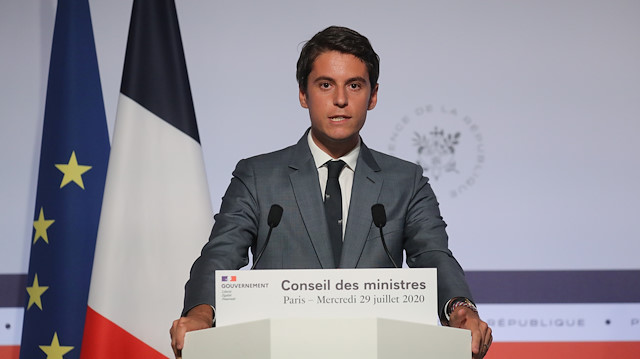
103	339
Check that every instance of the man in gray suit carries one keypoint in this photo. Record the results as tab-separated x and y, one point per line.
337	75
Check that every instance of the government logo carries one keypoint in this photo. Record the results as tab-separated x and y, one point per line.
448	145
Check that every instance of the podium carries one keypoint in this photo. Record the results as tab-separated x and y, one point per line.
327	313
346	338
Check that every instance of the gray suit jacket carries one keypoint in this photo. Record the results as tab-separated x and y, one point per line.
289	178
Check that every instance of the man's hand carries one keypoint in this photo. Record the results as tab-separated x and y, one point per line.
199	317
481	338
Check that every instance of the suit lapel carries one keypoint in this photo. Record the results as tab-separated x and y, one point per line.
367	183
306	187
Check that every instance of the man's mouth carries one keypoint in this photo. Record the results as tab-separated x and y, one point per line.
338	118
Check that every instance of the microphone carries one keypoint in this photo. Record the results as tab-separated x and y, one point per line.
380	219
274	216
273	220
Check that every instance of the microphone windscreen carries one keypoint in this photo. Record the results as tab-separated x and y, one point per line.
275	214
379	215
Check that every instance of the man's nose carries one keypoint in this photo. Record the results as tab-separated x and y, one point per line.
340	98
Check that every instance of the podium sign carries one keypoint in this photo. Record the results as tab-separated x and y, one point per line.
408	294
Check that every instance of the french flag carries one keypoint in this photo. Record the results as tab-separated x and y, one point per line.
156	212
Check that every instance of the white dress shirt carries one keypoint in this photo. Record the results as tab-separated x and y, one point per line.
346	176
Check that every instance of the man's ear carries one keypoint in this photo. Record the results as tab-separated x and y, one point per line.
302	97
373	98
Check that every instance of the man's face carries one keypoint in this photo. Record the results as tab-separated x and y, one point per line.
338	96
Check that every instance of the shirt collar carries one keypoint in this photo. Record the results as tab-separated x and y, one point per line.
320	157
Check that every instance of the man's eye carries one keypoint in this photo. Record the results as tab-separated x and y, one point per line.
354	86
325	85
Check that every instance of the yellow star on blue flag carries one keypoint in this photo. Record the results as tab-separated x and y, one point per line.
41	225
55	350
72	171
35	293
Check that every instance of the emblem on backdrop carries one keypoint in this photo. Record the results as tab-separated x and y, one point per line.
448	145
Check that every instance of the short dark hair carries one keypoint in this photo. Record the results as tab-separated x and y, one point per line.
341	39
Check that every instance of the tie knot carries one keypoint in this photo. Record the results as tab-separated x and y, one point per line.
335	167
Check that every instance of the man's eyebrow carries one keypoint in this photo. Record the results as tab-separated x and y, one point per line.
357	79
324	78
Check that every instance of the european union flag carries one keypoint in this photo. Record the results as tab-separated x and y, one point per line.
73	166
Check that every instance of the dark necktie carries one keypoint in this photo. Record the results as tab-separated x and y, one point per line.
333	208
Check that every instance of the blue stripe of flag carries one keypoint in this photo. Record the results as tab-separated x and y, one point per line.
155	71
